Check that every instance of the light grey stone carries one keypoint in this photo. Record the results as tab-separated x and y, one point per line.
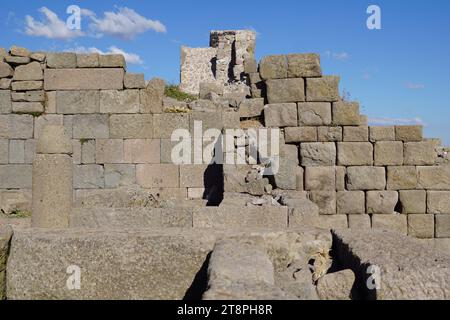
336	286
27	107
401	177
273	67
87	60
119	175
346	113
119	101
251	108
16	151
83	79
303	65
61	60
421	226
164	124
73	102
442	226
356	133
326	201
382	133
324	89
318	154
285	90
31	71
419	153
54	140
5	101
91	126
434	178
366	178
112	61
351	202
90	176
314	113
27	85
329	134
134	80
19	51
354	153
15	126
413	201
408	133
320	178
5	70
280	115
151	97
388	153
15	176
381	202
438	202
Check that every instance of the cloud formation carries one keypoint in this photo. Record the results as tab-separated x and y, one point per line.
130	58
341	56
415	86
396	121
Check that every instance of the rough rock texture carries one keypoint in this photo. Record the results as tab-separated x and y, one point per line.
336	286
5	237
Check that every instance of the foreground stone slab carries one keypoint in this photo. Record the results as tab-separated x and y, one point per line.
5	237
83	79
424	272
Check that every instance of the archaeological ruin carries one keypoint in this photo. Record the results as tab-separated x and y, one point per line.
249	180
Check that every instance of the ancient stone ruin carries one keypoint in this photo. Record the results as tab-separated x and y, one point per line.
96	204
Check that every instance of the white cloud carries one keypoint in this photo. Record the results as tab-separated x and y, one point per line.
50	26
125	23
415	86
130	58
341	56
396	121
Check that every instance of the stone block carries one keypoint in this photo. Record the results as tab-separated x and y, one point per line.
273	67
438	202
89	126
15	176
83	79
5	84
346	113
132	126
27	107
12	60
442	225
119	175
196	193
336	285
318	154
15	126
5	101
341	172
421	226
324	89
354	153
320	178
351	202
16	151
366	178
152	96
408	133
87	60
73	102
27	85
4	150
388	153
30	150
142	150
303	65
31	71
285	178
61	60
381	202
29	96
134	80
401	178
88	152
359	221
109	151
38	56
413	201
195	176
280	115
250	65
381	133
300	134
419	153
157	175
356	134
329	134
165	124
5	70
326	201
50	102
434	178
390	222
206	88
202	121
251	108
76	151
285	90
112	61
230	119
89	176
54	140
13	200
19	51
314	113
119	101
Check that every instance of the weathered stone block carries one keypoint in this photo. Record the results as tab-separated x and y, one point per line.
285	178
142	151
152	96
83	79
318	154
88	152
442	225
354	153
206	88
300	134
382	133
329	134
320	178
388	153
73	102
31	71
5	101
438	202
359	221
230	119
381	202
12	60
285	90
5	83
27	85
90	126
413	201
76	151
419	153
5	70
134	80
87	60
30	150
196	193
401	178
112	61
273	67
109	151
119	175
322	89
314	113
19	51
29	96
356	134
157	175
408	133
15	126
421	226
346	113
15	176
434	178
303	65
251	108
131	126
38	56
27	107
366	178
16	151
351	202
340	178
61	60
4	149
89	176
14	200
165	124
280	115
54	140
326	201
119	101
194	176
390	222
205	121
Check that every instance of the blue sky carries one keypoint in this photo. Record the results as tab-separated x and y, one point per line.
399	74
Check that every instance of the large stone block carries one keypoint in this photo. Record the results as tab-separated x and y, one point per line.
408	133
354	153
195	176
109	151
73	102
388	153
356	133
87	60
5	101
442	225
31	71
381	202
303	65
119	101
314	113
5	70
318	154
366	178
15	176
329	134
205	121
27	85
382	133
131	126
285	178
16	151
419	153
142	150
83	79
401	178
421	226
15	126
28	107
326	201
413	201
119	175
90	176
90	126
346	113
320	178
112	61
152	96
251	108
359	221
134	80
434	178
300	134
438	202
4	150
157	175
351	202
61	60
280	115
322	89
6	233
165	124
391	222
273	67
5	83
88	152
285	90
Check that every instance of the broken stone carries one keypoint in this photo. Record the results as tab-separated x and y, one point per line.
336	286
